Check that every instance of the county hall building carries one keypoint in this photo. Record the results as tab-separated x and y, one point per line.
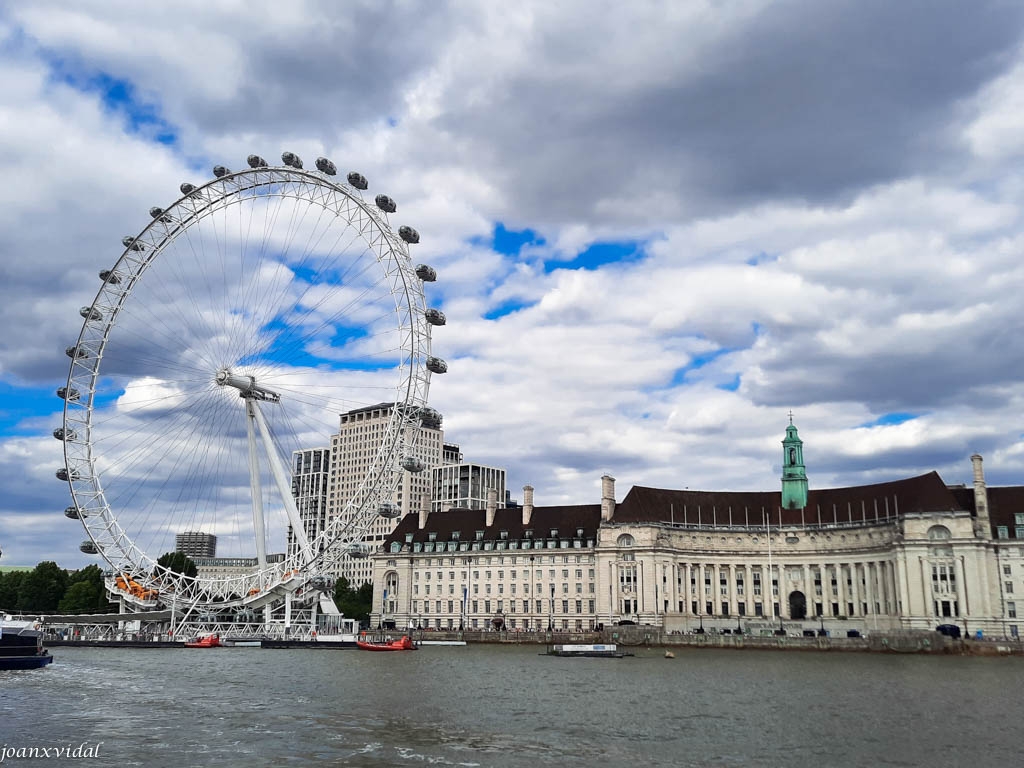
906	554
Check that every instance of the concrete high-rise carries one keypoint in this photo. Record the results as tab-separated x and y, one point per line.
353	450
310	473
196	544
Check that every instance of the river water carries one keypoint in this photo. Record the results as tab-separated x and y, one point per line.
508	706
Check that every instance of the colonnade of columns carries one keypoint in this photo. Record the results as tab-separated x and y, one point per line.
855	589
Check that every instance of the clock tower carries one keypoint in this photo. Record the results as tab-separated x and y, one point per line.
794	473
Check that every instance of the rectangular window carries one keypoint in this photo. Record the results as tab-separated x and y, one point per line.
1011	610
476	606
1003	531
1007	570
1008	587
565	606
1018	518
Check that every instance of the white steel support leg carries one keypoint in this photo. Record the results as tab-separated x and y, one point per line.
254	485
288	614
283	486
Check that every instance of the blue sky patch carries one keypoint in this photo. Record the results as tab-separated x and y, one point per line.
510	242
732	385
21	404
698	362
599	254
891	419
121	96
507	308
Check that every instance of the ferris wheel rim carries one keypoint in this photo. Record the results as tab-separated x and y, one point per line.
98	517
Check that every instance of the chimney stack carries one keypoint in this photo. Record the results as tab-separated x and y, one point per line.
492	506
424	509
982	528
527	504
607	498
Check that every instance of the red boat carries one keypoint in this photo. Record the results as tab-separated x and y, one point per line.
210	641
404	643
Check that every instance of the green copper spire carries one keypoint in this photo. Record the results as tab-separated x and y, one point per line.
794	474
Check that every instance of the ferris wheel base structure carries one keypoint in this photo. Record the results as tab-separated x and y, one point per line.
233	328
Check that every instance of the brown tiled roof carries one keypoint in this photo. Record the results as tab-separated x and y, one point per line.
567	519
925	493
1003	504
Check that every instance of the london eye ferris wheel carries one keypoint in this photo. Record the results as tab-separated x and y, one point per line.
231	331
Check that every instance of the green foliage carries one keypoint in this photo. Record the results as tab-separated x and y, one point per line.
353	603
42	588
86	592
10	583
81	597
177	562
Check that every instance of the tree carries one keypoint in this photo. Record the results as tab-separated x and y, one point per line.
76	599
81	597
10	583
353	603
42	588
177	562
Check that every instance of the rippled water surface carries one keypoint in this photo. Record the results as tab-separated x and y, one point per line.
495	706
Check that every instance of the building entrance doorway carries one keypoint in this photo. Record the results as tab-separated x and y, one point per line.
797	605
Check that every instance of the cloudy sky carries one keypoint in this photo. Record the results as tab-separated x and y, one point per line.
658	227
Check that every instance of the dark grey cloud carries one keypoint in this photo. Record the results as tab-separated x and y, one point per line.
811	101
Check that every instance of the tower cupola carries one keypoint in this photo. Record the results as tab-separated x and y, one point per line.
794	473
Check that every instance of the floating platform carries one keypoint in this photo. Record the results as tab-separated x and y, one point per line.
590	651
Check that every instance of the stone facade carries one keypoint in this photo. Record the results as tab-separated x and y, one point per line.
906	554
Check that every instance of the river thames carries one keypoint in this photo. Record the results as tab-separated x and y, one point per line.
508	706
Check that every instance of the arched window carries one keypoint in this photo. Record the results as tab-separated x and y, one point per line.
396	547
939	533
391	582
625	540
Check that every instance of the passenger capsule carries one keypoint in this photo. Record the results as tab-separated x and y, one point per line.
358	550
412	464
131	243
437	365
65	434
72	513
187	189
389	510
290	158
74	352
90	313
357	180
67	394
158	213
425	273
430	418
63	474
385	203
110	276
220	171
255	161
409	234
88	547
326	166
435	317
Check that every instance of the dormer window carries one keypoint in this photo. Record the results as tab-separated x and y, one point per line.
554	533
408	538
579	533
432	536
503	534
455	535
479	535
528	533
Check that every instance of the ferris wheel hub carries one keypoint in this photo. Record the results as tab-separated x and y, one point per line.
247	386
